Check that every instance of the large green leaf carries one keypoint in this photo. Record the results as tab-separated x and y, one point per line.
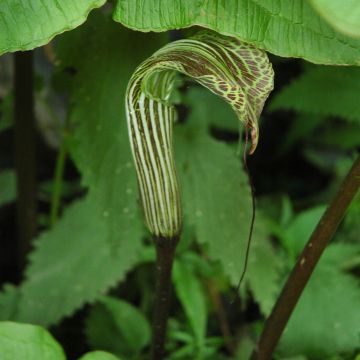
321	319
331	91
217	203
288	28
342	15
327	317
99	355
98	239
30	342
100	145
117	326
191	294
28	24
73	264
263	275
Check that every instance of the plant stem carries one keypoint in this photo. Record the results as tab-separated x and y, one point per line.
58	179
305	265
25	149
221	314
165	252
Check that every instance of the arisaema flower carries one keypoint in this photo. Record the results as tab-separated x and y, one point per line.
236	71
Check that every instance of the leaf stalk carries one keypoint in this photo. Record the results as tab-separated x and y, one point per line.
165	253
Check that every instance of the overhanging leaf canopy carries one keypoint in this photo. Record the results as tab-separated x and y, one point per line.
289	28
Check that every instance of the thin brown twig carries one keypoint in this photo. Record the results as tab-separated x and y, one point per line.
221	314
305	265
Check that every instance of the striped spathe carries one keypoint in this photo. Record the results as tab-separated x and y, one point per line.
238	72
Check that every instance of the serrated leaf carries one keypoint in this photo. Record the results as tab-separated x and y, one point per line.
100	145
25	25
217	203
7	186
99	355
330	91
343	16
30	342
327	317
73	264
263	274
191	295
99	238
216	197
117	326
289	28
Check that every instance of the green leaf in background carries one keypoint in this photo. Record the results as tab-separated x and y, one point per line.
191	295
25	25
98	238
99	355
289	28
217	203
9	299
213	113
331	91
7	187
299	230
72	264
344	16
117	326
99	144
216	197
263	273
341	135
303	126
30	342
327	317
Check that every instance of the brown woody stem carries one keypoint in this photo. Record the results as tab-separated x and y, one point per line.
305	265
165	252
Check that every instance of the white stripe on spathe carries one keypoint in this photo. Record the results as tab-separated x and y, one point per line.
238	72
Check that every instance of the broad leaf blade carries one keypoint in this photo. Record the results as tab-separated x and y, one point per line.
343	16
30	342
28	24
98	239
191	294
327	317
217	202
289	28
99	355
64	261
117	326
330	91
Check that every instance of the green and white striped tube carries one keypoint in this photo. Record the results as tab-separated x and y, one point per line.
238	72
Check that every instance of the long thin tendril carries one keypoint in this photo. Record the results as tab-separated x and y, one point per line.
252	222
